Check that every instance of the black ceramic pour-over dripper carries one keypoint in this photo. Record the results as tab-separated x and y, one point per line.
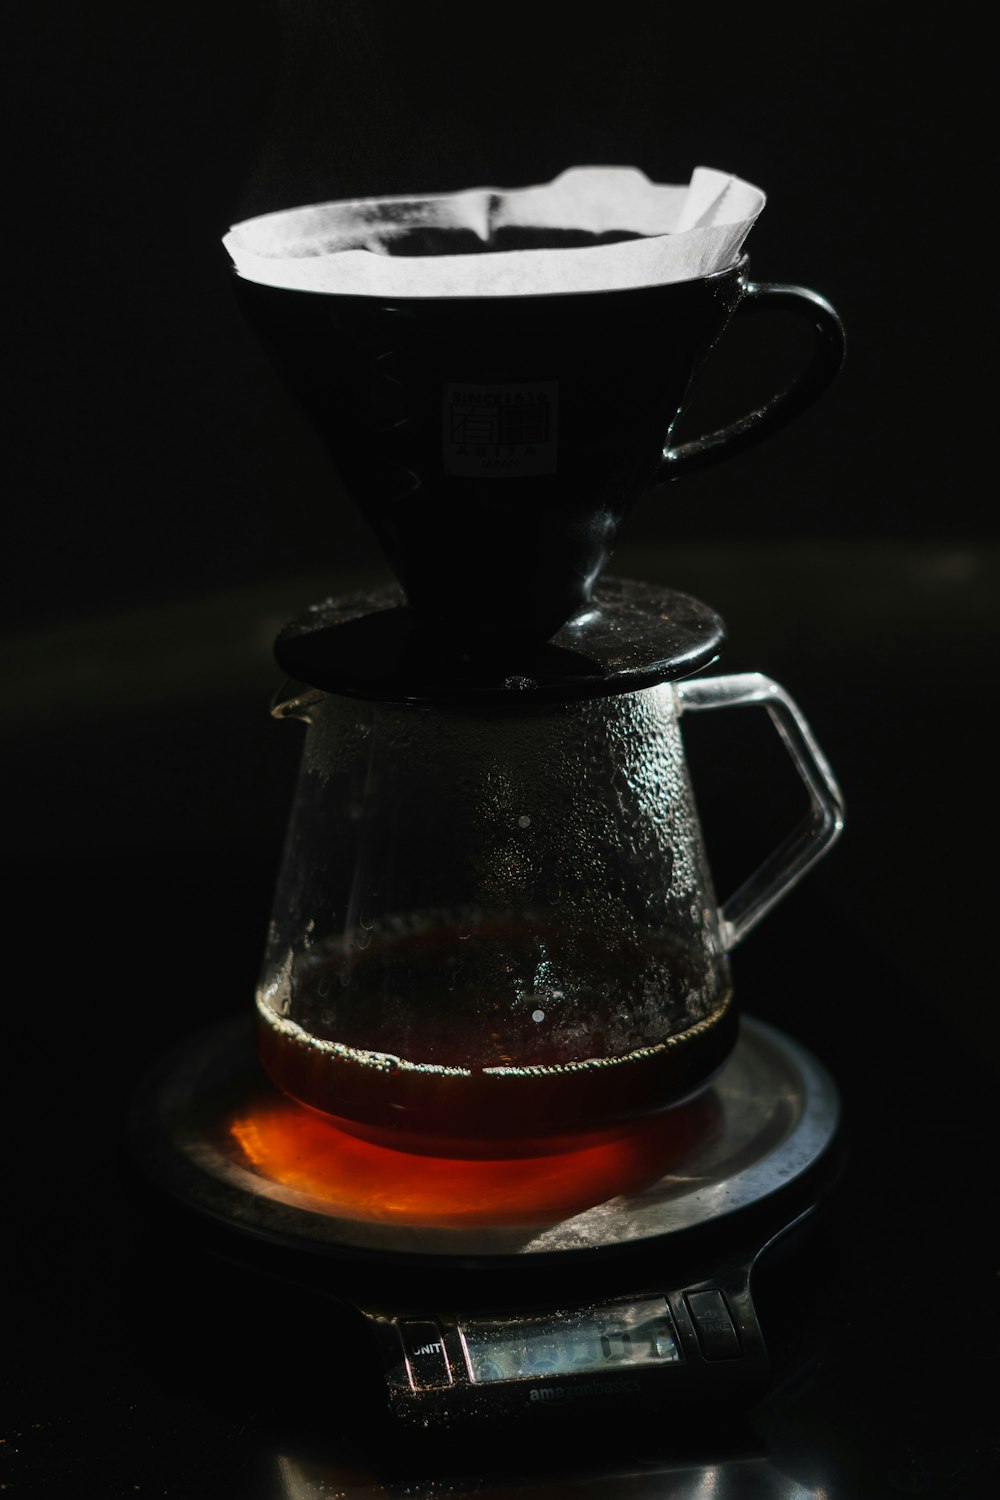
372	645
496	444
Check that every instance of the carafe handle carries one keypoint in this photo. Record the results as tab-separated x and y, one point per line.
822	364
821	826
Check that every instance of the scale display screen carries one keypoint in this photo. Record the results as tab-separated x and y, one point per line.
621	1336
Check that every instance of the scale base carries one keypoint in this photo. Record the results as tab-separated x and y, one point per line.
215	1134
458	1318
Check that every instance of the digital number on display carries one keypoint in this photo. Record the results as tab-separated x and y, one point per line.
626	1335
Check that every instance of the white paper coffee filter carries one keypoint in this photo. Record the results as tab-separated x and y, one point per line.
347	248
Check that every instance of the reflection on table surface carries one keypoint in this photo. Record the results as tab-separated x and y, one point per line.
730	1479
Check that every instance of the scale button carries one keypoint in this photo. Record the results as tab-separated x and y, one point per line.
426	1359
715	1328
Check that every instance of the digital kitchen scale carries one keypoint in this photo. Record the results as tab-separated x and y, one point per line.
642	1299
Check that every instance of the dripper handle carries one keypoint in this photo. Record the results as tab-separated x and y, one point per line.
825	360
819	829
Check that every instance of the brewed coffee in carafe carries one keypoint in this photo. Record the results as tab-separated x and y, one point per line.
512	932
494	929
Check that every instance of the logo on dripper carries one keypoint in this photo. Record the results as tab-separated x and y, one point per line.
500	431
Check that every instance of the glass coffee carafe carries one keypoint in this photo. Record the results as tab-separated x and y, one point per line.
495	925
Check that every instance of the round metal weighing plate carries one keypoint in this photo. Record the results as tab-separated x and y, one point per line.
775	1112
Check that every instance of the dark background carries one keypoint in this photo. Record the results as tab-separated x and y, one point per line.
168	509
153	458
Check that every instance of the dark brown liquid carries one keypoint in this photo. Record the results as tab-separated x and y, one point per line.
485	1079
361	1179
